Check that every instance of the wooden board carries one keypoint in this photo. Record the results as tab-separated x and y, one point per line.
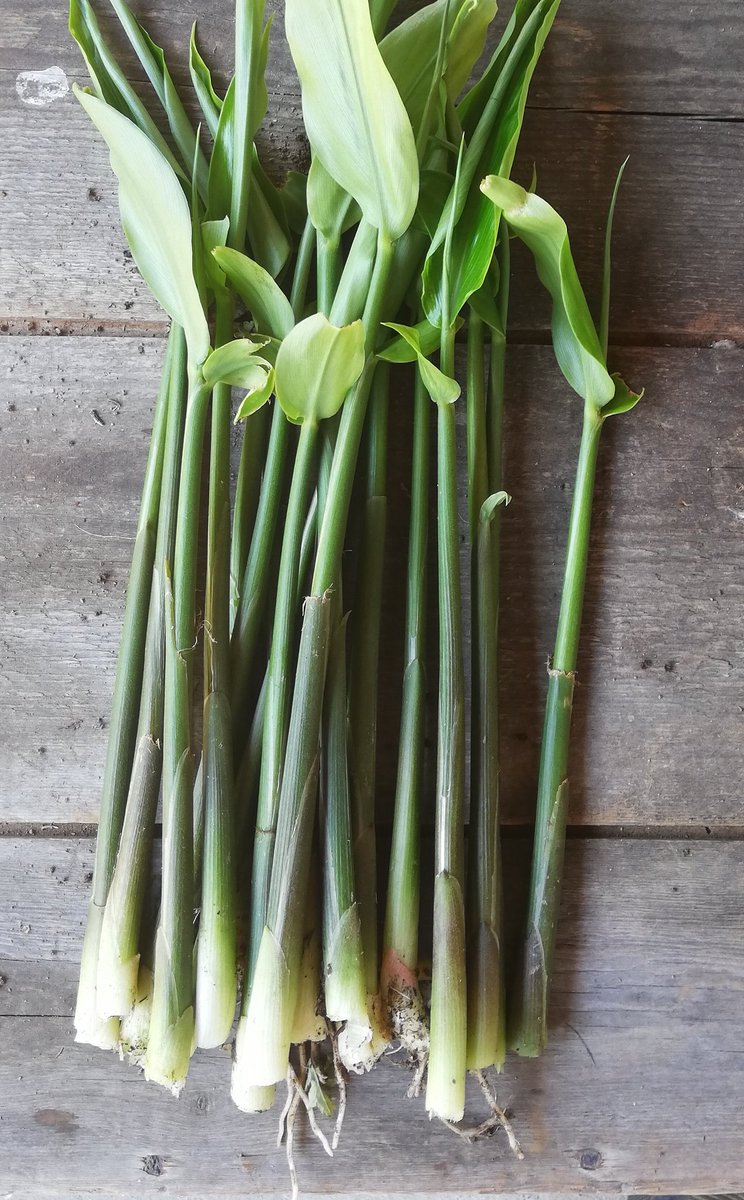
63	256
641	1089
659	722
637	58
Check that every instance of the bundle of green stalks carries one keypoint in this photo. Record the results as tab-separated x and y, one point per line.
246	695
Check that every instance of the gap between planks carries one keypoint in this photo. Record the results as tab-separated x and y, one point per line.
93	327
627	832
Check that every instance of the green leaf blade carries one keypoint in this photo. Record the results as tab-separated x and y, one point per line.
575	340
317	364
266	301
354	116
492	118
156	221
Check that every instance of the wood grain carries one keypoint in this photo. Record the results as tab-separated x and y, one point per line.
659	719
638	57
63	259
641	1089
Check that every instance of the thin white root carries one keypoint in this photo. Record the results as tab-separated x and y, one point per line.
341	1085
310	1109
285	1110
499	1114
291	1117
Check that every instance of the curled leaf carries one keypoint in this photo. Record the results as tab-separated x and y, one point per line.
623	400
316	366
237	364
255	399
575	340
491	504
441	388
405	348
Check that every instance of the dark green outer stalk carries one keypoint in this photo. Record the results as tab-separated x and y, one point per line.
127	687
217	603
279	695
248	778
303	266
528	1024
328	271
338	858
336	512
297	803
485	976
174	949
364	674
291	864
247	495
403	897
131	877
255	588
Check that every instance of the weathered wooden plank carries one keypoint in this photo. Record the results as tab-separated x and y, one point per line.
659	58
658	715
641	1089
63	256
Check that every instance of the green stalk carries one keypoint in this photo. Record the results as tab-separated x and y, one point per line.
247	495
123	736
172	1024
303	266
216	946
328	272
364	674
399	972
343	954
445	1088
118	964
267	1030
274	751
486	1034
248	778
257	577
255	589
529	1024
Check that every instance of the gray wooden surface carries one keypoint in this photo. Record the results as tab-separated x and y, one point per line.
642	1088
647	1018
